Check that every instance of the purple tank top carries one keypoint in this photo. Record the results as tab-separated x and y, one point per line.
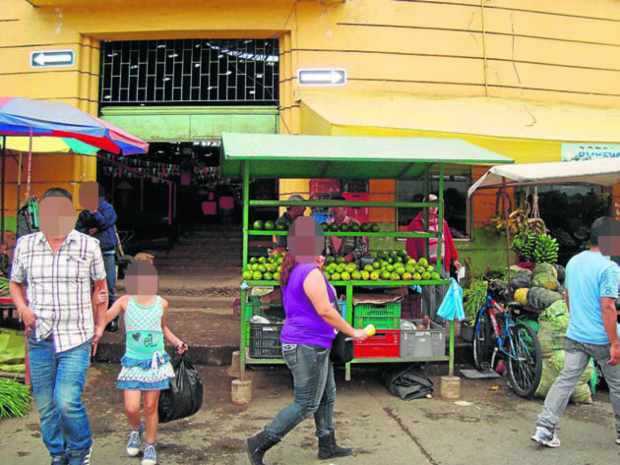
303	325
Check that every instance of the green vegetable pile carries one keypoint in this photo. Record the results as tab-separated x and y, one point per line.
474	298
4	286
14	399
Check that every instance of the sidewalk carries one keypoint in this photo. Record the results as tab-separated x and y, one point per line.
384	430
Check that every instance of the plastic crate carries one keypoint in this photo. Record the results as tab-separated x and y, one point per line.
265	340
381	316
423	343
384	344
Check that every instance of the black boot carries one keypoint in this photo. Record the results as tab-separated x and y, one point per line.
328	449
258	445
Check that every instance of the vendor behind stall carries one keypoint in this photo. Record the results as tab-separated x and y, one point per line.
351	248
433	295
416	247
286	220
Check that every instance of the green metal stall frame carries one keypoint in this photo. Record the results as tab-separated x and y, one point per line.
285	156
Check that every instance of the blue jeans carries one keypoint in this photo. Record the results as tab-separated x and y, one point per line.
575	362
57	384
109	262
314	391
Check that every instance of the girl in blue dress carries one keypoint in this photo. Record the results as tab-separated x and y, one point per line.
146	368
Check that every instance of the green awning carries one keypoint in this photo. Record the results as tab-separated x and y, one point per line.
286	156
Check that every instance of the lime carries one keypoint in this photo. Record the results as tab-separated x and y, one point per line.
268	276
330	259
253	260
368	268
430	269
258	225
376	265
435	275
385	275
257	276
276	276
423	262
356	275
390	268
340	260
411	262
261	268
262	260
269	225
426	276
345	276
395	277
247	275
407	276
417	277
341	267
410	268
336	277
374	276
351	267
365	275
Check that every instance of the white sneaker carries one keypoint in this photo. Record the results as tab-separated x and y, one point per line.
546	438
133	443
150	455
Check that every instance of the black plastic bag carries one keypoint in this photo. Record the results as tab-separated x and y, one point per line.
184	398
342	349
407	385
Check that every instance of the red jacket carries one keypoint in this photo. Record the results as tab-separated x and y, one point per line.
415	246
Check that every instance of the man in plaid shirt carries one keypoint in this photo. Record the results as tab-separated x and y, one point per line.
52	286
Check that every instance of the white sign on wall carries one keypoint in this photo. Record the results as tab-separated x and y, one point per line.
52	58
588	151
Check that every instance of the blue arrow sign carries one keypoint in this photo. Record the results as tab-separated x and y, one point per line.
52	58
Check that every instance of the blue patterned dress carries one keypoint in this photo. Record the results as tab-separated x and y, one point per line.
146	365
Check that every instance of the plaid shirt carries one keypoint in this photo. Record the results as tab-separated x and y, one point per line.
59	285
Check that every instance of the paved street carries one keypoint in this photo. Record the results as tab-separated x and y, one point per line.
493	430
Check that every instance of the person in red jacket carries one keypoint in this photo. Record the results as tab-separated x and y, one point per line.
416	247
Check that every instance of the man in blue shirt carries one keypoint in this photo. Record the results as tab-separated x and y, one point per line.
592	281
99	220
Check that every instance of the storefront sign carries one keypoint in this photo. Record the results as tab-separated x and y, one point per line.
322	77
577	152
52	58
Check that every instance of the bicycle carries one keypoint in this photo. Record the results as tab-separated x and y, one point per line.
497	332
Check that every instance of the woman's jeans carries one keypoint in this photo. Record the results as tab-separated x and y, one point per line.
109	261
57	384
314	391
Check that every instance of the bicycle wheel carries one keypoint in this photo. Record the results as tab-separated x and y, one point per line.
524	360
484	342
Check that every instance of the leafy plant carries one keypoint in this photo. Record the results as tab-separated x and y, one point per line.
474	298
14	399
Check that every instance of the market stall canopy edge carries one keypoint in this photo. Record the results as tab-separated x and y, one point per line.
292	156
602	172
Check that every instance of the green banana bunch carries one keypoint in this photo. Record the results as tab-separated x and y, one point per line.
524	244
546	249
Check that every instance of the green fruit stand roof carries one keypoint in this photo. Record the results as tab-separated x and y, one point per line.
270	155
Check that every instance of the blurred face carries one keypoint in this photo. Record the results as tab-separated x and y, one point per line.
305	240
57	217
142	282
609	243
89	196
296	212
339	213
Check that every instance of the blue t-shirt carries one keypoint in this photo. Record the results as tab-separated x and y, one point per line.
589	277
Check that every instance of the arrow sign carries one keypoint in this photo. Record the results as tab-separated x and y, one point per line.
52	58
322	77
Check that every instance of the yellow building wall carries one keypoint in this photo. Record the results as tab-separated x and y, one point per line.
542	50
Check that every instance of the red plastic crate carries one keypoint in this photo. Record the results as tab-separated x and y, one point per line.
384	344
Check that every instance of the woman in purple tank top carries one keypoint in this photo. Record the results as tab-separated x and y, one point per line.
309	330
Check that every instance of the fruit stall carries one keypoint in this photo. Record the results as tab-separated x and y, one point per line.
253	156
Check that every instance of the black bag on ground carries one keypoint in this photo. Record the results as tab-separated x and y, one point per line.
407	385
184	398
342	349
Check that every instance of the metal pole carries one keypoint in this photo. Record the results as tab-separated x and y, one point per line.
29	171
2	193
245	318
440	221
